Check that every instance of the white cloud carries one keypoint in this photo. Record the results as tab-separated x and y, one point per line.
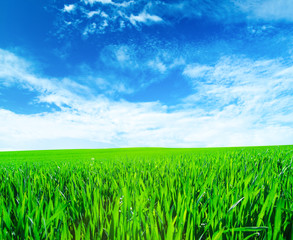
123	4
157	65
90	29
268	9
112	87
121	15
95	28
108	16
93	13
139	124
235	11
144	17
69	8
103	25
104	1
104	15
196	70
177	62
122	54
128	56
16	71
260	89
263	115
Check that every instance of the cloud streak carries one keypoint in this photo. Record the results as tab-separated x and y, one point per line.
15	71
144	17
109	2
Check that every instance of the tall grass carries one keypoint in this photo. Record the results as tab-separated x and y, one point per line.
228	193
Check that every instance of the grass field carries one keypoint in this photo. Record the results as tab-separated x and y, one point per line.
147	193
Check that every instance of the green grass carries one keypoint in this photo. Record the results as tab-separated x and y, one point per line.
147	193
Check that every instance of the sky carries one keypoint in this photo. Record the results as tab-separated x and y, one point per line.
112	73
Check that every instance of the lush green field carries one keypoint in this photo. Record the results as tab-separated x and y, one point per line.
155	193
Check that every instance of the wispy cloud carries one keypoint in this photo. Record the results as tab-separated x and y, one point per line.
106	15
15	70
196	70
128	14
157	65
258	89
268	10
231	11
144	17
139	68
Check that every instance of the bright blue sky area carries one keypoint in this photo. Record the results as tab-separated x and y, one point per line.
109	73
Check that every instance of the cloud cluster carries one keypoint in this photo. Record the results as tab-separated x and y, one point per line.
241	102
68	8
99	16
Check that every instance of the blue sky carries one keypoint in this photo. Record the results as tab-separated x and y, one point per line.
110	73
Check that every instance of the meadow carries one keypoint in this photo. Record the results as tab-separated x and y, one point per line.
147	193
